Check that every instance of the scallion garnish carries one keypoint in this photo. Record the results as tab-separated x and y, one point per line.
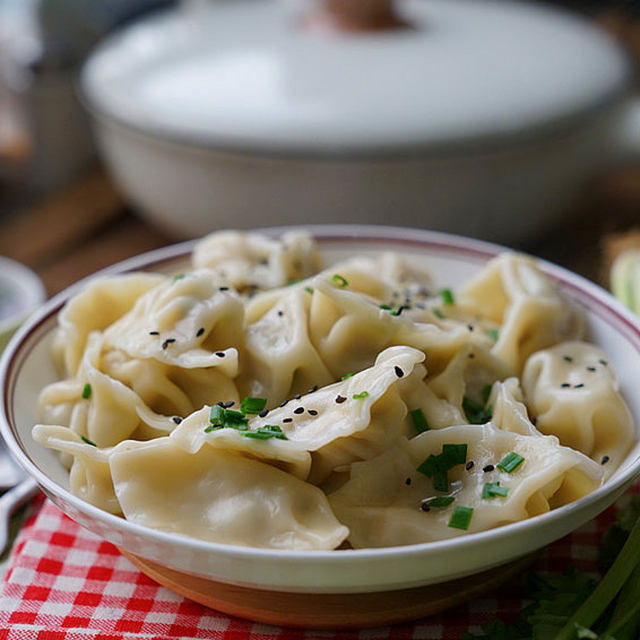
347	376
385	307
419	421
266	432
179	276
437	313
494	490
510	462
475	412
461	518
439	501
436	467
212	427
221	417
93	444
253	405
447	296
339	280
86	391
309	289
494	334
361	395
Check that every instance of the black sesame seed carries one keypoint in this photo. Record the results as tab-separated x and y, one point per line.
340	399
488	468
263	413
167	342
399	371
280	313
314	388
591	368
395	294
472	355
407	481
297	396
567	358
199	332
470	327
420	306
425	507
298	410
287	420
229	404
312	412
603	362
220	404
534	421
283	403
604	460
220	354
565	384
469	465
177	419
223	289
578	386
154	333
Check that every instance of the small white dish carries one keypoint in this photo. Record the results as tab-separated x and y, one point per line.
26	367
21	291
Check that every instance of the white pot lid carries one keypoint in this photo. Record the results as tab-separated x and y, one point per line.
244	75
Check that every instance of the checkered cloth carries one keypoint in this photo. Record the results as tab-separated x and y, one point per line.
64	583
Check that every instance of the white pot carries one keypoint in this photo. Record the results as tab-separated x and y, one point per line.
485	118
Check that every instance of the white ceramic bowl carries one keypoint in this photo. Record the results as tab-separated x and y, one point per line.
26	367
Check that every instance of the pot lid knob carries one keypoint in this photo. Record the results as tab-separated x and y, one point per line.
357	15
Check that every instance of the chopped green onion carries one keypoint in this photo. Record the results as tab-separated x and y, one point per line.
86	391
227	418
253	405
437	313
460	518
419	421
441	481
510	462
475	412
93	444
494	490
359	396
494	334
486	392
454	454
309	289
293	281
339	280
212	427
347	376
266	432
385	307
436	467
447	296
179	276
440	501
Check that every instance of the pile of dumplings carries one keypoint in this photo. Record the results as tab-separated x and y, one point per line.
259	399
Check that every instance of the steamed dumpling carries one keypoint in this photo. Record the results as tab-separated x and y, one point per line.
573	394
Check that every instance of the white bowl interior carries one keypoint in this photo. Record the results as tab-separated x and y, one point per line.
27	368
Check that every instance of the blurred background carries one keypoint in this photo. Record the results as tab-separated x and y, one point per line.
513	122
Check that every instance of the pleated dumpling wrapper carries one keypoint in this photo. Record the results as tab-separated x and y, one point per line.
573	394
388	501
221	496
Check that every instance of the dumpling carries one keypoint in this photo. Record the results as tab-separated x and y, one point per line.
221	496
97	306
186	321
509	412
251	261
90	476
573	394
513	292
195	432
388	502
354	419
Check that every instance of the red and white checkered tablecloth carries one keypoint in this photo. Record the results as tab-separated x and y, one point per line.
64	583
